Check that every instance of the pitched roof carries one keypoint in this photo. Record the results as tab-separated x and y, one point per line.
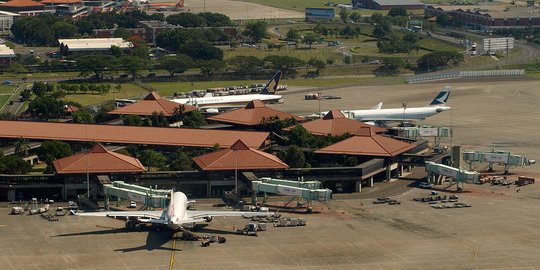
367	143
252	115
129	135
152	103
98	160
21	3
239	156
71	108
335	123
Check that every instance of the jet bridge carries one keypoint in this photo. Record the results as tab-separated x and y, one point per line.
505	158
308	190
425	131
157	198
436	172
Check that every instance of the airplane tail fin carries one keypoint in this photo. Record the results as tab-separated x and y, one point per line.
442	97
272	86
377	107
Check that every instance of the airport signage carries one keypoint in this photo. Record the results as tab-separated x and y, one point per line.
496	158
498	44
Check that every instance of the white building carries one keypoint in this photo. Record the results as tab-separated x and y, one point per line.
92	45
6	20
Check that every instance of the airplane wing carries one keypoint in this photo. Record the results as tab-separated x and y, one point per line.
377	107
210	214
146	215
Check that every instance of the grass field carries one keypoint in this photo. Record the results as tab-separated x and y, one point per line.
370	49
304	54
4	99
128	91
435	44
447	1
297	5
7	89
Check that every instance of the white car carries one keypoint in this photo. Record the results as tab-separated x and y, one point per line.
132	204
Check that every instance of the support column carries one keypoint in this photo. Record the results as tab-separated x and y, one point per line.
370	181
208	189
388	173
358	186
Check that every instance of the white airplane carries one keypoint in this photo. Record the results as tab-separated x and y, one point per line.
175	216
378	115
215	104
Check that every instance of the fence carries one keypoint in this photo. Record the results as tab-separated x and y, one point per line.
464	74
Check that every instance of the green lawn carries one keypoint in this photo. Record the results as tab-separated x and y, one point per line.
7	89
305	54
30	76
447	1
298	5
370	49
128	90
435	44
4	99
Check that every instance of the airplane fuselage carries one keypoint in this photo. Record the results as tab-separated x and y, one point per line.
228	100
177	210
396	114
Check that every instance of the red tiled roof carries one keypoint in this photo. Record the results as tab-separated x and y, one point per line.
61	1
98	160
152	103
240	157
129	135
335	123
367	143
21	3
252	114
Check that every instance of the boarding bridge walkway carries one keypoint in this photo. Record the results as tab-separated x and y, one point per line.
308	190
156	198
505	158
436	173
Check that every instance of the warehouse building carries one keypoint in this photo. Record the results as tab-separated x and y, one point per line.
92	45
387	4
23	7
482	18
7	55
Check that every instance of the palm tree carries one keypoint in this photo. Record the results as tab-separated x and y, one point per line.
22	147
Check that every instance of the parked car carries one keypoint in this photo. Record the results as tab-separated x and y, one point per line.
132	204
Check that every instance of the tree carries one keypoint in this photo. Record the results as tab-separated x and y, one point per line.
348	31
83	117
14	165
437	59
286	64
382	30
175	64
215	19
293	35
132	120
17	67
116	51
121	32
22	147
310	38
294	157
201	49
194	119
211	67
443	20
411	38
63	30
344	15
181	162
394	44
159	120
142	51
377	18
246	65
51	150
390	66
397	11
316	63
46	107
355	17
96	64
152	159
185	19
134	64
256	30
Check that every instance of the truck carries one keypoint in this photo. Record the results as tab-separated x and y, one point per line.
17	210
524	180
250	229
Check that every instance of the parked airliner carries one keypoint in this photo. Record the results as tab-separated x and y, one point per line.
405	114
175	216
215	104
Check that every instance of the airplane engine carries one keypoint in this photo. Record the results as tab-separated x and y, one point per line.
131	224
209	219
